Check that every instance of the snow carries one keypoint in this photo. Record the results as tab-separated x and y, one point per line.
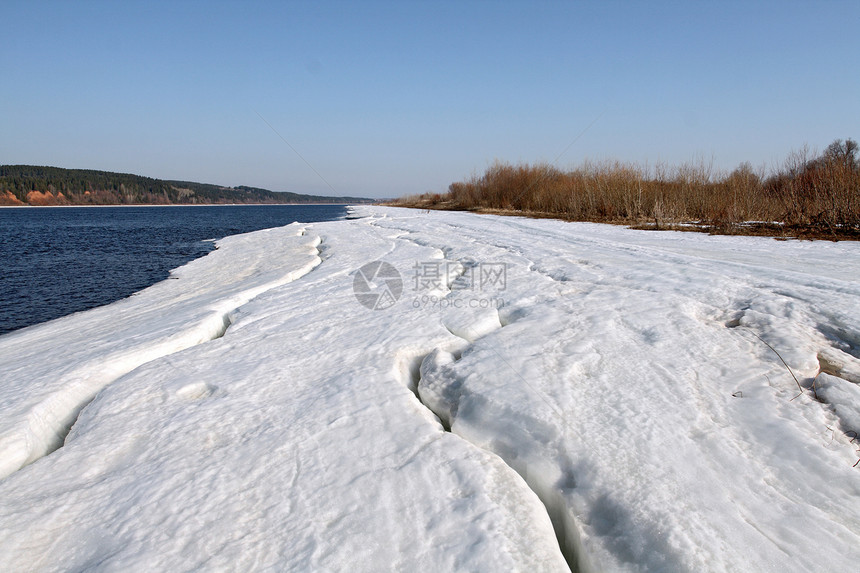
620	401
50	373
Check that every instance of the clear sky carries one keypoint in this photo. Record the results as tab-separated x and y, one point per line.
391	98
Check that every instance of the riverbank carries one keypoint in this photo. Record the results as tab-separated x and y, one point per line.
503	393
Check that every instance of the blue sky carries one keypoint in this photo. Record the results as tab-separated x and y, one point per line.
391	98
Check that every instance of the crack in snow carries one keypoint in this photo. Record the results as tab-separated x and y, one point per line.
430	377
439	389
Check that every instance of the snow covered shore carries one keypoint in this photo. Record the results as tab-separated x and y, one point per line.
535	394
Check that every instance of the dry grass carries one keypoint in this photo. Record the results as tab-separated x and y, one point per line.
806	196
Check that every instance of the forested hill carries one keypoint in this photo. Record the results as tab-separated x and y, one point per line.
32	185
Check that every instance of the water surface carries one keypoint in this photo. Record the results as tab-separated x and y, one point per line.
56	261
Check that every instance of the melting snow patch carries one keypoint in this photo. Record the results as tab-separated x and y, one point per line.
605	409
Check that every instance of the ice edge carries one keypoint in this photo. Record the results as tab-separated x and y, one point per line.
45	428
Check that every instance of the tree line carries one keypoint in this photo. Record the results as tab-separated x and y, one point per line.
26	184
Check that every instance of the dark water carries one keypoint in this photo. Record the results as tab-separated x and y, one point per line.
56	261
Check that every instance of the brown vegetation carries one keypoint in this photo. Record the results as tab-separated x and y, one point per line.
806	196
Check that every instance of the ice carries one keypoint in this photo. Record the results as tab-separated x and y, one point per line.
845	399
639	401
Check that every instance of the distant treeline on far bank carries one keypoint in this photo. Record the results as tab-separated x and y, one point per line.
38	186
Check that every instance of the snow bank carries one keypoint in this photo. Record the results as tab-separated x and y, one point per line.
289	443
51	372
630	400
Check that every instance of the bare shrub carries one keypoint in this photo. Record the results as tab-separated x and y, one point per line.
806	192
820	193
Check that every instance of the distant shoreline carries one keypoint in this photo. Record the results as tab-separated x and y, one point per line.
181	205
44	186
